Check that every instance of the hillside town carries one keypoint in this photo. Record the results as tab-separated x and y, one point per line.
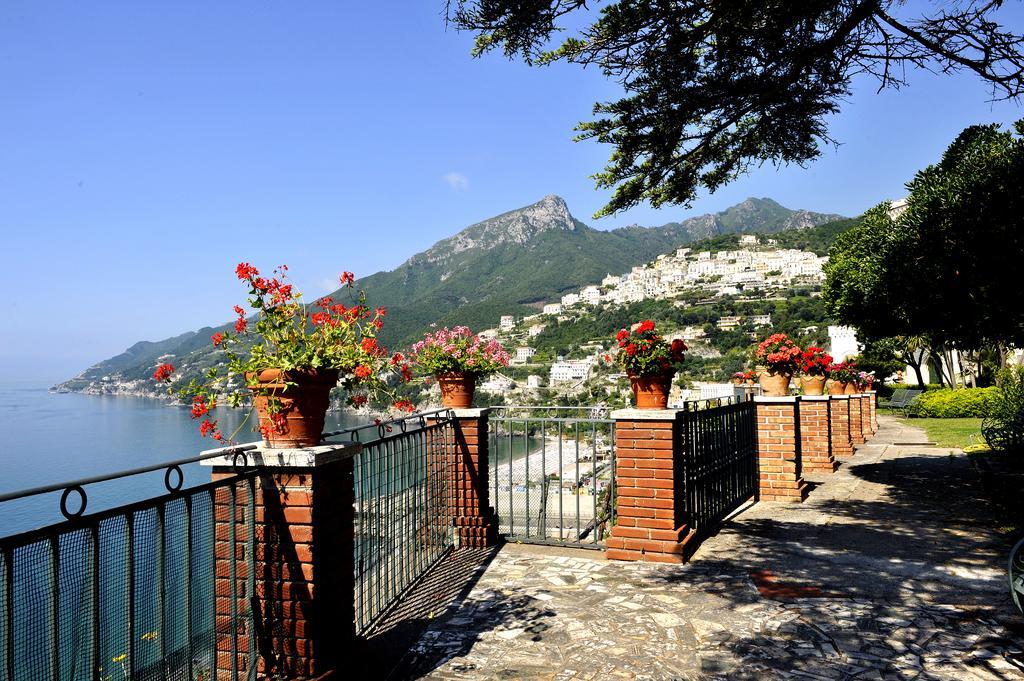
758	269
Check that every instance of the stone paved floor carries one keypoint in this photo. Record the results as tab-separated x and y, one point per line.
888	571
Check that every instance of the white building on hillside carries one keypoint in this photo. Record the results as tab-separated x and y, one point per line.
536	330
570	299
497	384
569	371
507	322
552	308
524	354
843	342
591	295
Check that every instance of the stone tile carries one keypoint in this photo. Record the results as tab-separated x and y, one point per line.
913	574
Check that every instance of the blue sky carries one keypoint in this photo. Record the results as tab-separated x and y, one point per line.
145	149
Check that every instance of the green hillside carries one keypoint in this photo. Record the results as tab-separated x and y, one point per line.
509	264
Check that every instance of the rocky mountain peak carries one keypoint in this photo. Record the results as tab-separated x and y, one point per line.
516	227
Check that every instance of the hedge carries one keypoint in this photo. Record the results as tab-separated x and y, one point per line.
955	404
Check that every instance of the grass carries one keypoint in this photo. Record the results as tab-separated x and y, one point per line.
958	433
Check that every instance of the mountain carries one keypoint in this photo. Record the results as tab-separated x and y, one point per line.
509	264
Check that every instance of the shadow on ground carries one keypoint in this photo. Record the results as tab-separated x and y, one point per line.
891	569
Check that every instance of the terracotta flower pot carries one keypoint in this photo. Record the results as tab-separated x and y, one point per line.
651	392
836	388
292	416
774	385
813	385
851	388
457	389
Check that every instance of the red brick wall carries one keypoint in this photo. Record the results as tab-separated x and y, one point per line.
815	445
466	481
778	450
304	549
856	422
839	425
648	479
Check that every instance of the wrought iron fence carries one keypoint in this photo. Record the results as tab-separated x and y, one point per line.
130	592
402	527
552	473
719	453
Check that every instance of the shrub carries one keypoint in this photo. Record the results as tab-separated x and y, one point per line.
955	404
1010	403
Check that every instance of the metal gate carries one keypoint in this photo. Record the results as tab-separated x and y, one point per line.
719	459
552	474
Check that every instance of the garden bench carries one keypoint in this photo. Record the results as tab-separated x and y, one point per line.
900	399
1016	575
1004	435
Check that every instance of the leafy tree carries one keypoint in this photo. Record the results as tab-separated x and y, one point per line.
713	87
945	268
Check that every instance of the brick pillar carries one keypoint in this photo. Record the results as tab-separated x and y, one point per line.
873	409
467	493
865	416
856	420
839	425
779	449
304	560
648	484
815	444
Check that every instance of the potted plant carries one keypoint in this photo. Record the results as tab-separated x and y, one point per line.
839	376
456	357
780	356
289	356
814	366
650	362
865	379
748	377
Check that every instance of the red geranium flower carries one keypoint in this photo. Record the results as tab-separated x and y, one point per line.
163	372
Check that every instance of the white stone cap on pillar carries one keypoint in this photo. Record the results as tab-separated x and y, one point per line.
868	392
764	399
471	413
814	398
645	414
839	397
268	457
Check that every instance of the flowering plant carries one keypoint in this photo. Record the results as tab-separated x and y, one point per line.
749	375
780	354
865	378
815	362
287	335
458	350
844	372
642	352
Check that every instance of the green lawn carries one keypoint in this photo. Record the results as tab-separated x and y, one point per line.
957	433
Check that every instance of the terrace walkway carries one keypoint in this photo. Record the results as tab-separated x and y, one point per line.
889	570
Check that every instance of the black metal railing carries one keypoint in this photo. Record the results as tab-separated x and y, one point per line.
402	527
719	458
130	592
552	473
